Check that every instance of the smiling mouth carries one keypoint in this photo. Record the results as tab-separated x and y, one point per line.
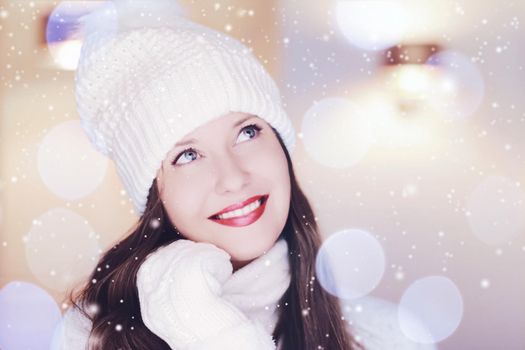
261	201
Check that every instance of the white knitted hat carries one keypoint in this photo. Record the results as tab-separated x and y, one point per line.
148	76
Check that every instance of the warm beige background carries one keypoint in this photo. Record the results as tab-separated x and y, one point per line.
368	196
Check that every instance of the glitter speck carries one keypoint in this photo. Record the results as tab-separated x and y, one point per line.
305	312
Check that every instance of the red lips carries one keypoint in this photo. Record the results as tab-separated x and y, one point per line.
239	205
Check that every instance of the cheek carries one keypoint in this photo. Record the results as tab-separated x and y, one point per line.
282	203
180	199
273	167
277	164
270	159
281	168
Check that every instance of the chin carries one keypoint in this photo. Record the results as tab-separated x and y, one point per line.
243	257
255	250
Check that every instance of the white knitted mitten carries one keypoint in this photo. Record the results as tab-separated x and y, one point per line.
179	288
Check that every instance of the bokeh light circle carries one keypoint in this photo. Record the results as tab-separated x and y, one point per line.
371	25
68	164
375	322
28	317
350	264
336	133
430	309
458	91
61	248
496	210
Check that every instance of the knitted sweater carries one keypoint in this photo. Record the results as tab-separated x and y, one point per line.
255	289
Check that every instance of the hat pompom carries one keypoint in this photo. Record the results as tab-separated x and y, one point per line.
122	15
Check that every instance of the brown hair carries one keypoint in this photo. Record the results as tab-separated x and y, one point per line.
114	279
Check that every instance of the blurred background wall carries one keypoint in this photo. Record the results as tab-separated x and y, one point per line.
410	120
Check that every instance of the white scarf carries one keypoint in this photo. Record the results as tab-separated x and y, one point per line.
256	288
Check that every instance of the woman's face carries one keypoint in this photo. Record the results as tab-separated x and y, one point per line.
229	162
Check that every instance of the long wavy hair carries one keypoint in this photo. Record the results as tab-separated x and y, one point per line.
310	317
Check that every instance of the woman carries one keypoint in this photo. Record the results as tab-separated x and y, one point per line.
149	85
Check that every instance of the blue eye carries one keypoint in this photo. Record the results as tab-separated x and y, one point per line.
192	150
187	150
255	127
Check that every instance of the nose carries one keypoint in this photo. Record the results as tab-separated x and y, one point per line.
230	174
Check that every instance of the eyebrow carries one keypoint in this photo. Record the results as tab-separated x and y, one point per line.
237	123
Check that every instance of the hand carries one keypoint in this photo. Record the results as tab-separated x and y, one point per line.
179	288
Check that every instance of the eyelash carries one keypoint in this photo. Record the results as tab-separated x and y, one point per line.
254	126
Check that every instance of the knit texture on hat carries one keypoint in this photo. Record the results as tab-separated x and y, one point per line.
141	89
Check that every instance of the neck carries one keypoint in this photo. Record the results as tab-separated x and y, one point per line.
237	264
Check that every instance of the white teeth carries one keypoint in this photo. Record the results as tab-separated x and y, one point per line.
243	211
